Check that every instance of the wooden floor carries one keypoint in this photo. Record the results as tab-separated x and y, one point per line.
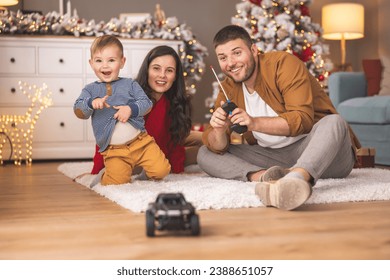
45	215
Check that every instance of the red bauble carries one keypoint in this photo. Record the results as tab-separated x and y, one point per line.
256	2
306	54
255	30
321	78
305	10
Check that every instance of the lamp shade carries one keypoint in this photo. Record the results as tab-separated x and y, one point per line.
8	2
343	20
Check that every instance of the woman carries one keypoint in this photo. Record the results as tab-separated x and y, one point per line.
169	121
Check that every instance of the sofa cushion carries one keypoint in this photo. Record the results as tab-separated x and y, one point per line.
373	73
367	110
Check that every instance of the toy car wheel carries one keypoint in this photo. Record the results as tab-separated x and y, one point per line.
150	224
195	228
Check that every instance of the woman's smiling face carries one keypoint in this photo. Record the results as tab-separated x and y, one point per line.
162	73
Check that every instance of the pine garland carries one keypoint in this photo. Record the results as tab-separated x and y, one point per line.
192	54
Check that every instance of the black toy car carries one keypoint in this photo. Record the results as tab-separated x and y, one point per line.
171	211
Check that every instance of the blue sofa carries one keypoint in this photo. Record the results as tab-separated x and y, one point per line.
369	116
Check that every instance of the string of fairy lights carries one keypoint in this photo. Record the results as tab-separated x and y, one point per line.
16	131
192	52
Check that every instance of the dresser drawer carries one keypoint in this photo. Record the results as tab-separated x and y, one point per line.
64	91
59	125
134	61
17	60
60	60
11	94
56	125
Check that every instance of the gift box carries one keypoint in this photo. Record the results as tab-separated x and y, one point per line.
365	158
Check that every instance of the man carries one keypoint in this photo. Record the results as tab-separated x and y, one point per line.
295	135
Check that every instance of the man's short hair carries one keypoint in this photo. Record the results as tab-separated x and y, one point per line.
230	33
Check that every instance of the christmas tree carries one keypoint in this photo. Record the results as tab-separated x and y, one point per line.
285	25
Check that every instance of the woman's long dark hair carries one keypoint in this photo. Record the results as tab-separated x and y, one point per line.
180	106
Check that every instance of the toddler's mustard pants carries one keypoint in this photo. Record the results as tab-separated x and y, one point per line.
143	151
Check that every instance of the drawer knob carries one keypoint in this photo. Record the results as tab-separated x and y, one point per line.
62	124
61	90
12	60
13	90
61	60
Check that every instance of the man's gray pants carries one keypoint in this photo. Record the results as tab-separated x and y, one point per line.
326	152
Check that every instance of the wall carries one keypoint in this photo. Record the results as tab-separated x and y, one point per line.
206	17
384	27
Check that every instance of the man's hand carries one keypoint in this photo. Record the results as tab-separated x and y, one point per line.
241	117
123	113
100	103
219	120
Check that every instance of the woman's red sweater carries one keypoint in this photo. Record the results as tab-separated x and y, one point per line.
157	124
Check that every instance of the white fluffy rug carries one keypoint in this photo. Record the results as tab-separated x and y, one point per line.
205	192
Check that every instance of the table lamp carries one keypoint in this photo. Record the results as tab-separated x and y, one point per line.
343	21
4	3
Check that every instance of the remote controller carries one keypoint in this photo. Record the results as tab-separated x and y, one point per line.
228	107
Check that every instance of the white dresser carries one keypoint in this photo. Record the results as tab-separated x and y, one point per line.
62	63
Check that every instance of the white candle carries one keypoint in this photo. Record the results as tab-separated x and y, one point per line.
61	7
68	9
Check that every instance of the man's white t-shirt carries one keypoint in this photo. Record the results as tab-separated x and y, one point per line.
256	107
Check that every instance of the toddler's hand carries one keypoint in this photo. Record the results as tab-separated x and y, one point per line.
100	103
123	113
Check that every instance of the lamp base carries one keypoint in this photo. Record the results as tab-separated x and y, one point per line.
347	67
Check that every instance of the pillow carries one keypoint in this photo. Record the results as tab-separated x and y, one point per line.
385	83
373	71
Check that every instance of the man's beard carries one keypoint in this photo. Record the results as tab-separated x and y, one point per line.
248	72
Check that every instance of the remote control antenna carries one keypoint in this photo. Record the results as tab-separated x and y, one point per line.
219	82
